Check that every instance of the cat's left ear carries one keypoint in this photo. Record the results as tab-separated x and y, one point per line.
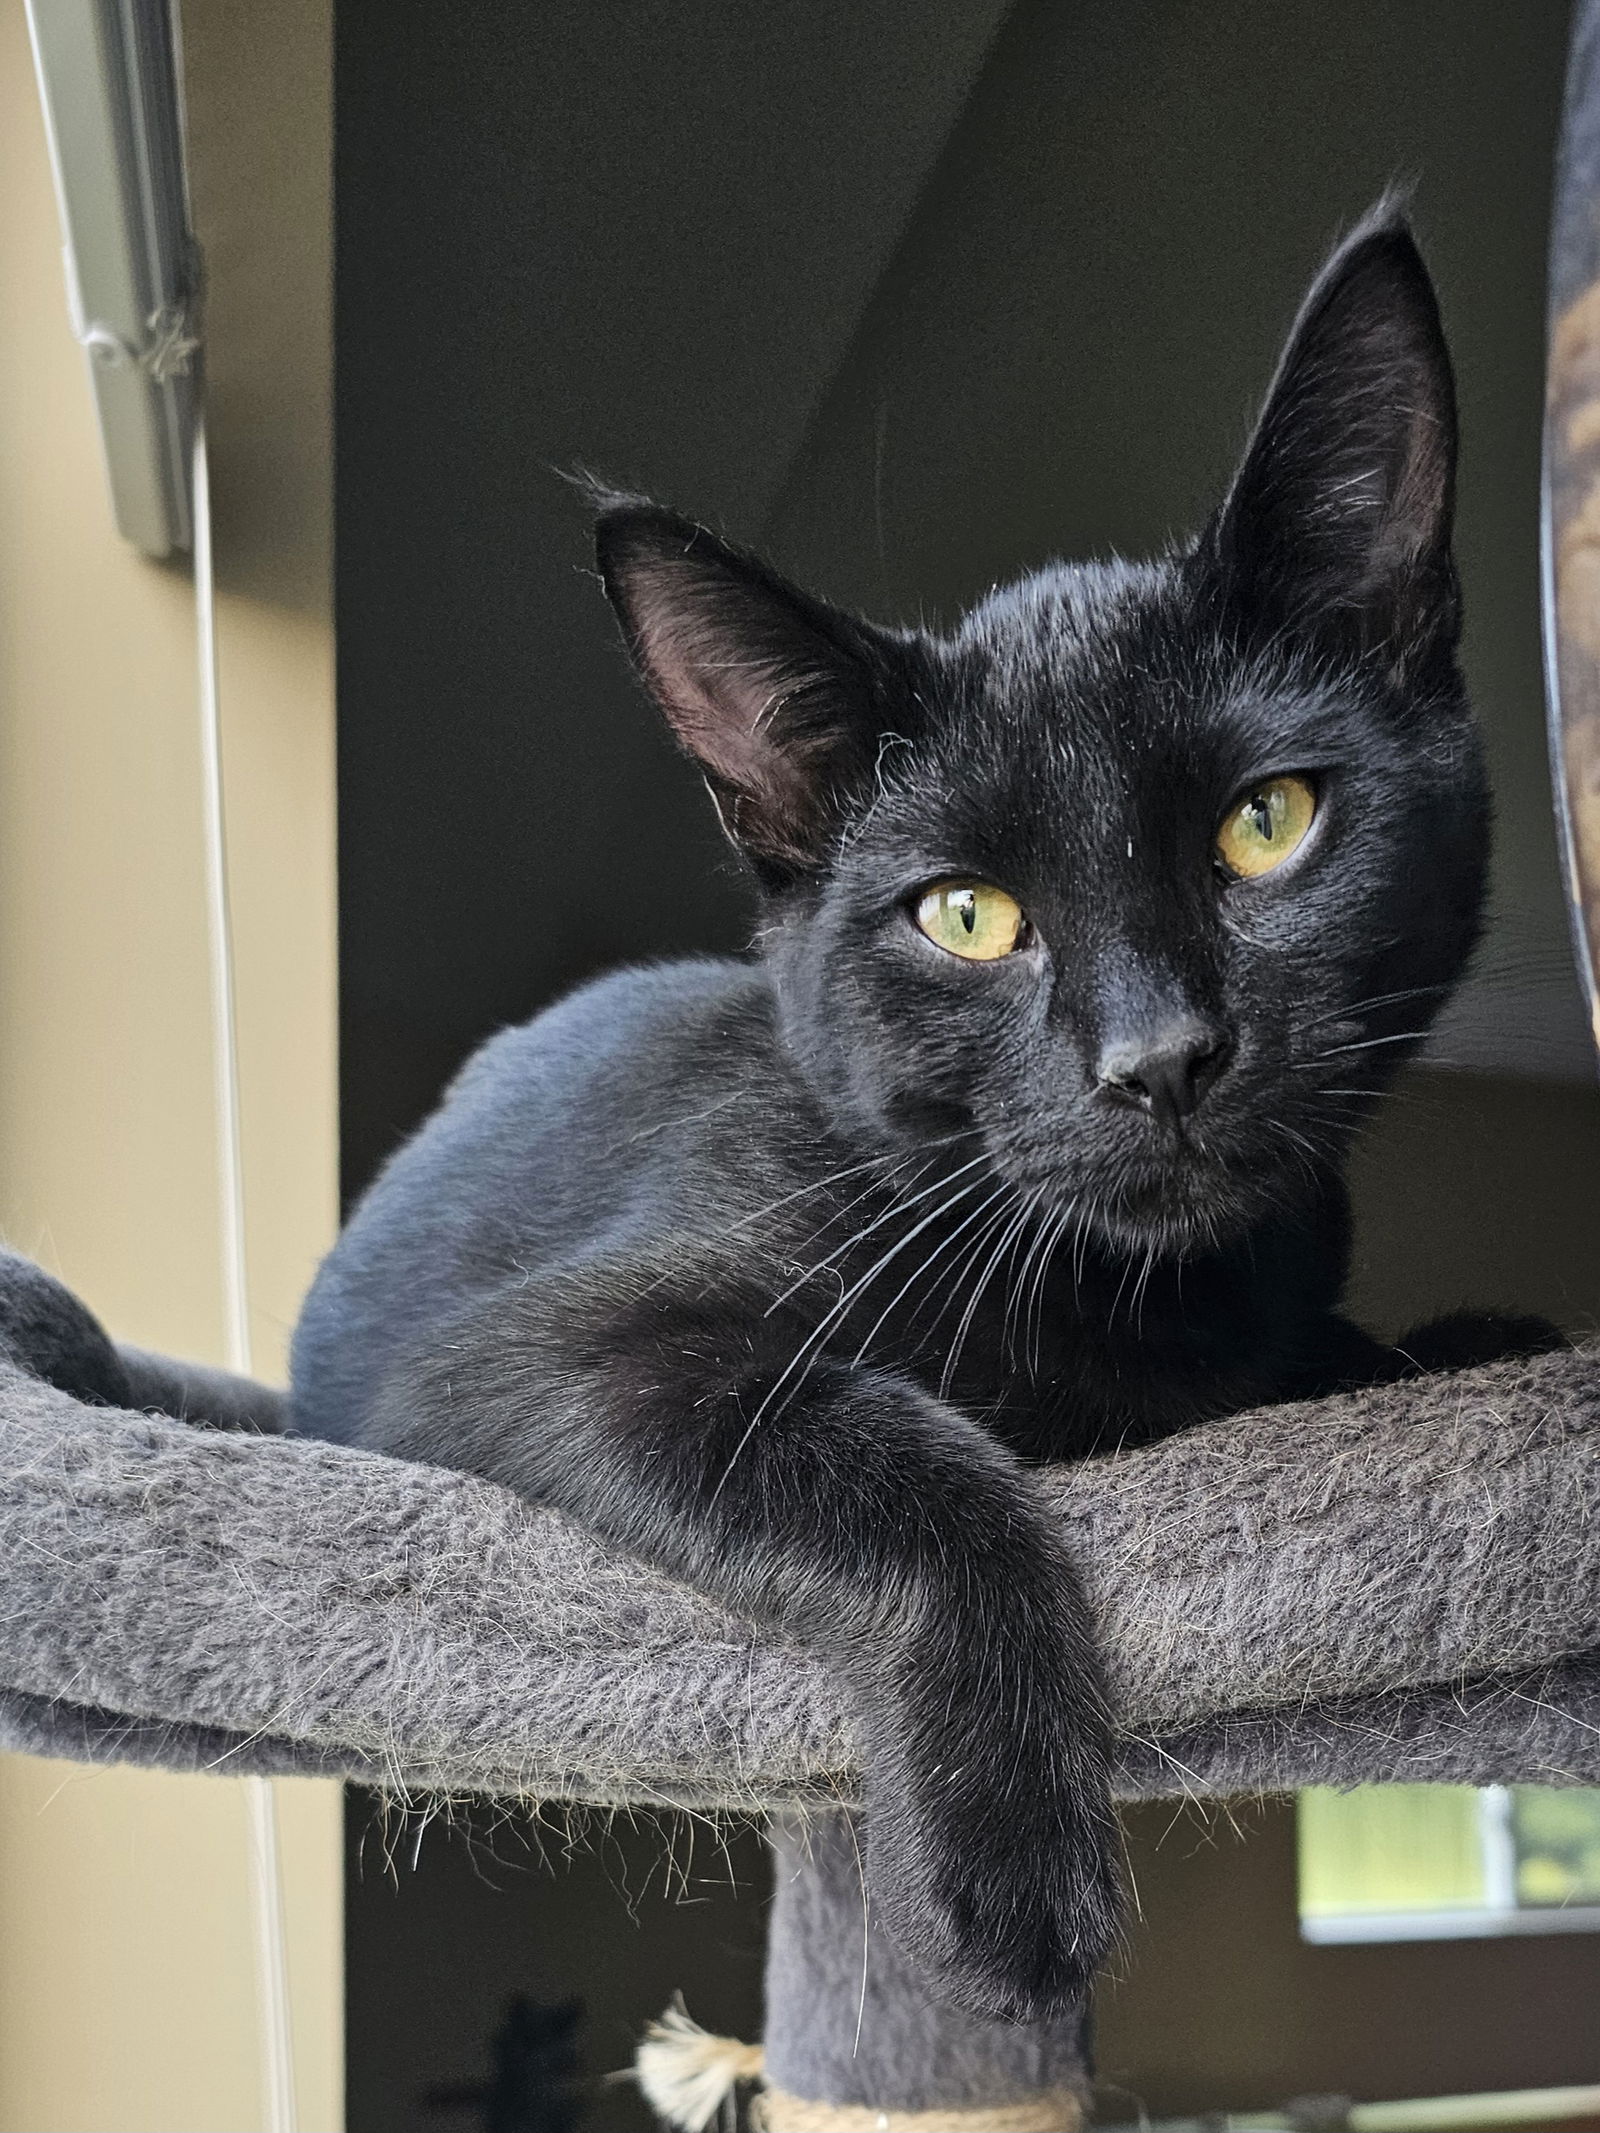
776	695
1339	518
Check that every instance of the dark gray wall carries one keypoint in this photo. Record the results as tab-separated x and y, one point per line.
620	1914
1219	2006
622	234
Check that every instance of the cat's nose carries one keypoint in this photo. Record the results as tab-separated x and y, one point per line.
1165	1071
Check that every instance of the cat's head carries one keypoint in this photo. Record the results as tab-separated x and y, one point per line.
1151	873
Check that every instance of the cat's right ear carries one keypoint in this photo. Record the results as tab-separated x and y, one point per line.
773	693
1339	518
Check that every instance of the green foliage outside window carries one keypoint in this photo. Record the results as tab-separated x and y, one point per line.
1394	1853
1390	1848
1557	1844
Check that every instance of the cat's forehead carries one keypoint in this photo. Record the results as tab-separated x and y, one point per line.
1094	638
1118	665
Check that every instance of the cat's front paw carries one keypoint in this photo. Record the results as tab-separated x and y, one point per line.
1467	1338
1005	1933
996	1863
1009	1914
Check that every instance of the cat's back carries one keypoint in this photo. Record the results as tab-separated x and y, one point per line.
554	1136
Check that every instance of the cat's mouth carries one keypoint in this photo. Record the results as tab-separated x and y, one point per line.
1176	1219
1188	1199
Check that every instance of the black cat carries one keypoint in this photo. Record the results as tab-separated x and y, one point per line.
1090	932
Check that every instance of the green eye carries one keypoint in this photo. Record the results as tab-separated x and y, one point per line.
971	919
1265	827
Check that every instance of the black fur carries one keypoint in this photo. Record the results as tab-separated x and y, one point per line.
775	1271
46	1330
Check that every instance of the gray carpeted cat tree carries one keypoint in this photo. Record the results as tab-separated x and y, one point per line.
1401	1584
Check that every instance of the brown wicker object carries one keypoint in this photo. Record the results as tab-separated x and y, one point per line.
1572	494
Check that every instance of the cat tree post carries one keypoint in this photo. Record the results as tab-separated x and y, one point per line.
854	2041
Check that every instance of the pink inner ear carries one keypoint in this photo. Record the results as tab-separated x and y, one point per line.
744	702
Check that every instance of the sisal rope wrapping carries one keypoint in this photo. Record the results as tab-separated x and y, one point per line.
688	2075
1051	2111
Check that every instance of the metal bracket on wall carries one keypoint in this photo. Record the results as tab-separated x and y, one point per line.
109	86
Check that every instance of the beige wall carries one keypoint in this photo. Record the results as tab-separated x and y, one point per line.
127	1973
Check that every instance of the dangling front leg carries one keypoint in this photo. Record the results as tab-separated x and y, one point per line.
847	1507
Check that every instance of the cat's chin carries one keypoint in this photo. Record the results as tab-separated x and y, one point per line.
1167	1199
1162	1232
1179	1217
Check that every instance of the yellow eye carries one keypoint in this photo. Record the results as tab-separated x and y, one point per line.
1266	826
972	919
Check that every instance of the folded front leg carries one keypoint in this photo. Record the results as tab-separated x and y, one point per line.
44	1329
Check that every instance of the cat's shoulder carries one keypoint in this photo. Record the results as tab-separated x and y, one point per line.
670	1018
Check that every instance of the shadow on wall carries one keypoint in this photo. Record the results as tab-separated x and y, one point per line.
618	1915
